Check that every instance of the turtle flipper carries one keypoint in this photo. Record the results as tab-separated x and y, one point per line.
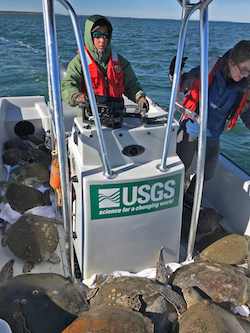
7	271
4	239
171	296
161	271
28	266
20	323
54	258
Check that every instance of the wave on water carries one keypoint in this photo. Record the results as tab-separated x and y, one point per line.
21	43
4	40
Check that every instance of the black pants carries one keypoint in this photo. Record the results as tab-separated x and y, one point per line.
187	146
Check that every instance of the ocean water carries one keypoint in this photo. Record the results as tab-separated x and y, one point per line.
149	45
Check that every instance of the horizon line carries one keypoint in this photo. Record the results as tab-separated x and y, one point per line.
139	18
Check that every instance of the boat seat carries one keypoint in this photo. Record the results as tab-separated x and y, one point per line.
69	112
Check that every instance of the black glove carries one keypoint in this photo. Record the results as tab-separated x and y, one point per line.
172	65
143	103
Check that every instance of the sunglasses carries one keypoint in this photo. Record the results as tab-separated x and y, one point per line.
97	34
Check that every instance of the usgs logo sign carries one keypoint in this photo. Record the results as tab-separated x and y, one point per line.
134	198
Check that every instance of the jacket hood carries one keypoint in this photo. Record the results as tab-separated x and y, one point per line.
100	56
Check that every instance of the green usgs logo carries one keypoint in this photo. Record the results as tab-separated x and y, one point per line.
134	198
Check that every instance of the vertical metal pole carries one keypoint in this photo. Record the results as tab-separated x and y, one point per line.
186	13
203	130
52	57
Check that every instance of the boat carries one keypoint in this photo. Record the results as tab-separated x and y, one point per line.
123	197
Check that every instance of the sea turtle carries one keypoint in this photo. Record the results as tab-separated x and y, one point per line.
26	156
208	221
35	174
34	239
12	143
198	315
231	249
40	156
39	303
110	319
223	283
36	139
123	291
12	156
22	197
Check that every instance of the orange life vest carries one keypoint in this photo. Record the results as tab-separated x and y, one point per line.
193	97
114	80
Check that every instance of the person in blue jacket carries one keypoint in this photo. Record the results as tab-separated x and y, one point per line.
227	99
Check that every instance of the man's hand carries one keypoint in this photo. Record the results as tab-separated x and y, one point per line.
143	103
78	98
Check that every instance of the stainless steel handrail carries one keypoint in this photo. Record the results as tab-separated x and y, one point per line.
203	130
187	10
56	109
186	14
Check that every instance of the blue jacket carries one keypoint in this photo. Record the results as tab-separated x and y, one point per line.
221	99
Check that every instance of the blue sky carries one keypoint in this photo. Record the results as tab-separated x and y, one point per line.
219	10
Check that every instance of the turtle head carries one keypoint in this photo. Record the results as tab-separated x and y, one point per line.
171	296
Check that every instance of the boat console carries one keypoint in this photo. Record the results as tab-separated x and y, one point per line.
120	222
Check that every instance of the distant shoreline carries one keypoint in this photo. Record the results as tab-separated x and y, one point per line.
30	13
26	13
15	12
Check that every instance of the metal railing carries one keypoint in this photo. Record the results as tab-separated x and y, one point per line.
187	10
56	108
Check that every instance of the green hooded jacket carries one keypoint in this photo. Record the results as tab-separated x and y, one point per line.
71	84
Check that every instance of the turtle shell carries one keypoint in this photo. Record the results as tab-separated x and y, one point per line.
13	143
12	156
122	290
40	156
111	319
208	317
33	238
36	174
22	197
39	303
37	140
221	282
200	315
231	249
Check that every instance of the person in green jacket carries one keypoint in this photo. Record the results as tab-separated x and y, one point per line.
97	37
